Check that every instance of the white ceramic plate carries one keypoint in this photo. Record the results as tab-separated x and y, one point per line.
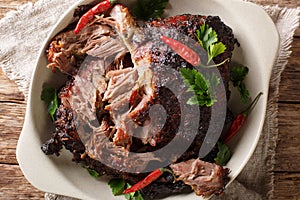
259	43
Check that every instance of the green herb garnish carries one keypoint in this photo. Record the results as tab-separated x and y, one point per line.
149	9
49	95
237	76
204	89
92	172
118	186
208	39
134	195
223	155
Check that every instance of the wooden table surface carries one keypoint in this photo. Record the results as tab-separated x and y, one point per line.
13	185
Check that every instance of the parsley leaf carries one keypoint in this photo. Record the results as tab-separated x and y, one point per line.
208	39
237	76
130	195
92	172
204	89
206	36
149	9
223	155
49	95
215	50
117	186
137	196
134	195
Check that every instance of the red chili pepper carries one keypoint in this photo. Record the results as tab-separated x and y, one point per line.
148	180
240	119
182	50
89	15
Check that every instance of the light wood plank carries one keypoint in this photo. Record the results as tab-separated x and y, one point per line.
295	58
288	151
10	127
9	90
287	186
13	185
290	80
289	88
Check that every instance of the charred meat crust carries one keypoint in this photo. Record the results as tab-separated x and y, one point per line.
188	24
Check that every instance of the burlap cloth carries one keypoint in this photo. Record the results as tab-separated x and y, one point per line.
22	33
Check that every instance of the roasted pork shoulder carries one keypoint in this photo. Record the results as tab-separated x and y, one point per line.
116	77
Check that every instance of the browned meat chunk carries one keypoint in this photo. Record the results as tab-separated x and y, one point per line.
205	178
